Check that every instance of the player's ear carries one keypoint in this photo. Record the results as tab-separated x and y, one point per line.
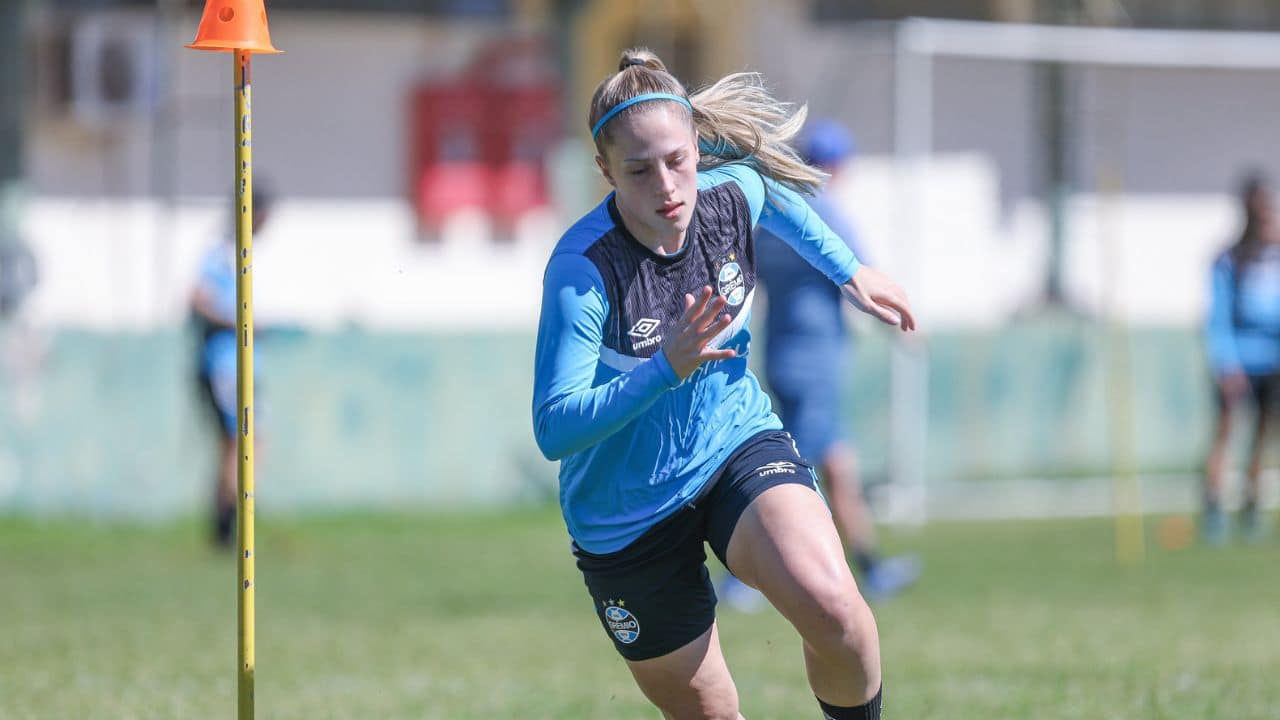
604	170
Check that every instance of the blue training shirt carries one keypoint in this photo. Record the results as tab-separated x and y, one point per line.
635	443
1243	328
217	281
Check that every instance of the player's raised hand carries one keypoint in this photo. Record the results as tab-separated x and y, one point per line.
872	292
686	349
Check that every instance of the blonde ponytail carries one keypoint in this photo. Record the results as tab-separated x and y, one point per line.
736	118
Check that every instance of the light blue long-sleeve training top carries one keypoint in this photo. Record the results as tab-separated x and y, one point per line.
634	442
218	282
1243	329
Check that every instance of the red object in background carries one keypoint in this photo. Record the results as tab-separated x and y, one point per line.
518	187
446	188
448	173
480	139
526	123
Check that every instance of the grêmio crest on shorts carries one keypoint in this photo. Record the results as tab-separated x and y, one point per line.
646	290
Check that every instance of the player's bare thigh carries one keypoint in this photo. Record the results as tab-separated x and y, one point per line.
691	683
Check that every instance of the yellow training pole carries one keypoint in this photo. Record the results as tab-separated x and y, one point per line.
244	374
240	27
1126	490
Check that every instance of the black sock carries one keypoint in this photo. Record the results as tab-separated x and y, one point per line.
870	711
864	561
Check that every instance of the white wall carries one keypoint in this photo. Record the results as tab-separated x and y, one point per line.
131	264
1143	258
324	263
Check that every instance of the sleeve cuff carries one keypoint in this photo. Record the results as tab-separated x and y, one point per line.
852	270
665	371
847	273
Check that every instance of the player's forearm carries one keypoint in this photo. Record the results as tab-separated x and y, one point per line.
1224	357
201	305
789	217
574	421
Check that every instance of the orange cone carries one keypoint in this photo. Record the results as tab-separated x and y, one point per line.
234	25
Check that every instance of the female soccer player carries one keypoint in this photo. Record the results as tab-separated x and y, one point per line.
1244	352
642	392
213	309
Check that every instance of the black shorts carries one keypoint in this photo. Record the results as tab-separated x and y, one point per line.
1264	389
655	595
220	400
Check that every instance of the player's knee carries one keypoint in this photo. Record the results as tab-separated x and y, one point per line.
724	707
702	706
838	616
721	709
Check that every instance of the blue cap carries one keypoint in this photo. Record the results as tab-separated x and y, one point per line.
826	143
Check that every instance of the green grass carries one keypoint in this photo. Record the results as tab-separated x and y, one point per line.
484	616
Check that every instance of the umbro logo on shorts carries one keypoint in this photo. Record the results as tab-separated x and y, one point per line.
776	468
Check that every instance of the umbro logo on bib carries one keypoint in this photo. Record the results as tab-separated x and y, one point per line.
643	328
642	333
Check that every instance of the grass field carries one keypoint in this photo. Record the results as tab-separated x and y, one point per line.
484	616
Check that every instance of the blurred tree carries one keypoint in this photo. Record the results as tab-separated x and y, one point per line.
13	78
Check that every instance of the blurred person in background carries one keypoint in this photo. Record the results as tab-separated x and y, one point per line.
18	275
23	348
642	391
807	358
1244	354
213	309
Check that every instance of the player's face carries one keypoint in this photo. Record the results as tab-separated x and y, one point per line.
652	163
1259	202
1260	209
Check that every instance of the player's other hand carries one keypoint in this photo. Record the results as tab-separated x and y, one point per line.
872	292
702	320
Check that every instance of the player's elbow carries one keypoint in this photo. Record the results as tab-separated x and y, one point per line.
550	450
550	444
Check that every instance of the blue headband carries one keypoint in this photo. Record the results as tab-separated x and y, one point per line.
628	103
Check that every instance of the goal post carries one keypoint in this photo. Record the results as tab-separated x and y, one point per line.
917	47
